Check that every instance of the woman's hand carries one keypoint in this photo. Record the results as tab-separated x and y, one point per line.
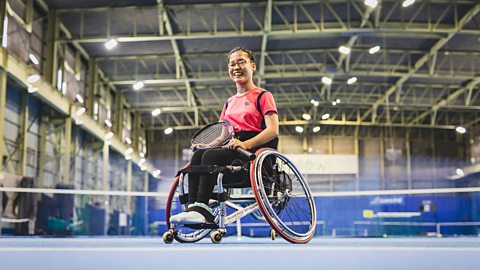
235	143
198	145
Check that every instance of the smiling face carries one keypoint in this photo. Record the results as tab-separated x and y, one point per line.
240	67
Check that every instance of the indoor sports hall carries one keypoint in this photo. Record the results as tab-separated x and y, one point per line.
240	134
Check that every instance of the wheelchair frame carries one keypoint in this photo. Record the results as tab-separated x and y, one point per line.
256	202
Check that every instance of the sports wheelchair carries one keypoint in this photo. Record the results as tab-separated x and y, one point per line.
281	196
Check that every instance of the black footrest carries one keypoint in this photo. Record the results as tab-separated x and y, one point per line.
202	226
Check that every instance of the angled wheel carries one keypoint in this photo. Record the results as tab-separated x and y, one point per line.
174	206
283	196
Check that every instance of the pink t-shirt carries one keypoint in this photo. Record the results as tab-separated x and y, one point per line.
242	110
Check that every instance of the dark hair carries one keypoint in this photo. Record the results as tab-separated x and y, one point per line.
251	55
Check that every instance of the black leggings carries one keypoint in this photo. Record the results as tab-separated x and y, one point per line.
200	186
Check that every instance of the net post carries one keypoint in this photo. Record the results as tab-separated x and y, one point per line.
239	229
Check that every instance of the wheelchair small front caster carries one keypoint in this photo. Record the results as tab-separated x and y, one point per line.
273	234
168	237
216	237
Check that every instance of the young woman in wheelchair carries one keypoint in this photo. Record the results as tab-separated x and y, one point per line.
253	114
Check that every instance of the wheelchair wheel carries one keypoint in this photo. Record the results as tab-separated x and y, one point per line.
182	234
283	196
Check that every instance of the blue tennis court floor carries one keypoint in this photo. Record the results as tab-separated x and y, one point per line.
245	253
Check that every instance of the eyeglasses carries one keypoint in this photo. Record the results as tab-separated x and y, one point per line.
240	63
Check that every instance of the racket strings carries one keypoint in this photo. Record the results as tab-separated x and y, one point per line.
213	136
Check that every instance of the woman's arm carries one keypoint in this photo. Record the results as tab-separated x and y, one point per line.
269	133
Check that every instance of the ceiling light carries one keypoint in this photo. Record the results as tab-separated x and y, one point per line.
79	98
460	172
143	167
371	3
80	111
141	161
312	100
316	129
33	78
334	103
128	157
338	100
109	135
168	130
108	123
142	154
299	129
33	58
156	173
156	112
138	85
327	80
78	122
128	151
407	3
316	103
127	139
344	49
352	80
110	44
374	50
306	116
32	89
461	130
326	116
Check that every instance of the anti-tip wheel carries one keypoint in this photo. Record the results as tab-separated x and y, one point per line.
168	237
273	234
216	237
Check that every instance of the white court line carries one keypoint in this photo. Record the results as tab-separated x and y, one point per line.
227	248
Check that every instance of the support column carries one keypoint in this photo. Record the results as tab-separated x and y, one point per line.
382	162
3	13
106	182
118	114
23	135
67	151
409	160
92	85
356	151
129	187
42	151
51	57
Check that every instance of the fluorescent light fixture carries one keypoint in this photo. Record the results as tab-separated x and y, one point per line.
352	80
108	123
156	112
316	103
32	89
306	116
374	50
33	58
141	161
334	103
128	140
80	111
5	31
327	80
156	173
461	130
299	129
78	122
59	78
312	100
407	3
143	167
371	3
138	85
168	130
338	100
344	49
109	135
33	78
110	44
128	157
326	116
316	129
129	151
79	98
64	88
460	172
142	154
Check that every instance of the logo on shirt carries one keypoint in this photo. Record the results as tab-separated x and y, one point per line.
247	103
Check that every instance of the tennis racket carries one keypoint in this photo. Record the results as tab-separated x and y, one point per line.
217	135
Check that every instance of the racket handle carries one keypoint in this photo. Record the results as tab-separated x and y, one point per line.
249	155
